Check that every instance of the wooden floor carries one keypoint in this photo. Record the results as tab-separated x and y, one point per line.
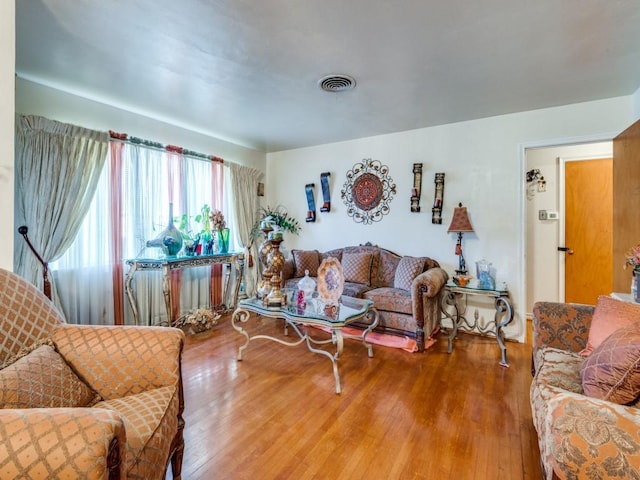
401	415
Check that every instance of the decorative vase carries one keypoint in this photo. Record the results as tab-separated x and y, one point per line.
223	240
307	285
170	239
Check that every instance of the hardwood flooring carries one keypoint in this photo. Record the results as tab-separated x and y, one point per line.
401	415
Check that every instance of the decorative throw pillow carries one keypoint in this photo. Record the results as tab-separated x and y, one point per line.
612	371
608	316
306	260
408	269
42	379
357	267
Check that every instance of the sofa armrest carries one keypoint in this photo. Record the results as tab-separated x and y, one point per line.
425	300
561	325
592	438
43	443
117	361
429	283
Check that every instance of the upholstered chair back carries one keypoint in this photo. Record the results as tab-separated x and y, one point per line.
26	315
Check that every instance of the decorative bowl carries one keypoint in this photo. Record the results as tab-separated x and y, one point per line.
462	280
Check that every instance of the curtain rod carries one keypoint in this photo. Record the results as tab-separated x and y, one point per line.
125	138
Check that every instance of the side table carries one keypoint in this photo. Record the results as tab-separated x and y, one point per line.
453	296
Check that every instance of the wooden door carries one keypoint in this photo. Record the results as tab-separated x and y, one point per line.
588	230
626	202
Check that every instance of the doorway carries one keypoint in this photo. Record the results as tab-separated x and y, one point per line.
542	237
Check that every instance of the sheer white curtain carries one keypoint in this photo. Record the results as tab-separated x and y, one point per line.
151	179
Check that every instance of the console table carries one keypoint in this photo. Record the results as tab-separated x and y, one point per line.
168	264
453	296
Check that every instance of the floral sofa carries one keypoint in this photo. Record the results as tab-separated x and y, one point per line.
585	389
404	290
81	401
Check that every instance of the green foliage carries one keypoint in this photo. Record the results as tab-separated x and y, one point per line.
184	225
277	216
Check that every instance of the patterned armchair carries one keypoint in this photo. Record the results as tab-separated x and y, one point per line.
85	401
579	436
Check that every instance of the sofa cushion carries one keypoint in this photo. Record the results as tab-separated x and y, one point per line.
357	267
390	299
387	266
356	290
609	315
42	379
408	269
306	260
612	371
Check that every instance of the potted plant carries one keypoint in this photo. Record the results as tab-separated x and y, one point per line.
278	218
192	238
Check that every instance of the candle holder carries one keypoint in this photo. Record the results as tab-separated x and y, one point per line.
276	259
264	285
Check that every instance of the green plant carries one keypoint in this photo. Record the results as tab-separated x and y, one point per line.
184	225
279	217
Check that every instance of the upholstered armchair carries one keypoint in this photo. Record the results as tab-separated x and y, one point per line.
91	402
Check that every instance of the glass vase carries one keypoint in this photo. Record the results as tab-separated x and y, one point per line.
223	240
170	239
635	293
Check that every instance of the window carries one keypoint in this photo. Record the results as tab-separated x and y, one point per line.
140	181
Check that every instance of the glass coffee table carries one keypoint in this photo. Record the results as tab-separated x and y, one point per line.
350	310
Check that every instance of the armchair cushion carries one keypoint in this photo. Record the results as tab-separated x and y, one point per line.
408	269
609	315
612	371
357	267
42	379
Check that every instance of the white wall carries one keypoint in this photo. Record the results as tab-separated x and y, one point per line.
484	165
636	104
35	99
7	75
542	272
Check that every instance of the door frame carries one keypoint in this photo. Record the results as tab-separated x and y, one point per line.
523	147
562	161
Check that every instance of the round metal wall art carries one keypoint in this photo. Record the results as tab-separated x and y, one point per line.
368	191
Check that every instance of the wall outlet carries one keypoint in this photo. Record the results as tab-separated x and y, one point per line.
542	214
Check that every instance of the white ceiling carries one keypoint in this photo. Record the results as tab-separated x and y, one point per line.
246	71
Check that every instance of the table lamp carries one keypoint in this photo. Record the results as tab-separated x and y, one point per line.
460	224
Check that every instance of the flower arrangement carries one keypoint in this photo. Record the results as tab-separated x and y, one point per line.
279	217
633	258
217	221
199	320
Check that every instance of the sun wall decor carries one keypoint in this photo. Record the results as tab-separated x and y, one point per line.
368	191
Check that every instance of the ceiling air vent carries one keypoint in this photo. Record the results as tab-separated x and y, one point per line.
337	83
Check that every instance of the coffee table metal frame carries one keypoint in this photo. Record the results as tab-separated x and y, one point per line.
351	310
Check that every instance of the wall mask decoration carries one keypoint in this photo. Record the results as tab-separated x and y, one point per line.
368	191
